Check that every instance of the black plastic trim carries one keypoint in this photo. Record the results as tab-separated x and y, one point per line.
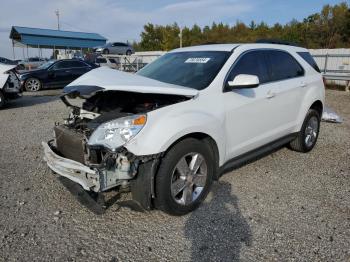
256	153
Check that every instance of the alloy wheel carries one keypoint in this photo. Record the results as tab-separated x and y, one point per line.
189	178
311	131
33	85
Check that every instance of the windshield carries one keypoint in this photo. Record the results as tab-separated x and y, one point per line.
190	69
46	65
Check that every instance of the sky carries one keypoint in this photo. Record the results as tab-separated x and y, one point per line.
123	20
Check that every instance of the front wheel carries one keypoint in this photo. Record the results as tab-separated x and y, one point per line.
105	51
33	85
128	52
184	177
307	137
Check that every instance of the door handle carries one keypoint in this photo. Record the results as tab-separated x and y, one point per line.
303	84
270	94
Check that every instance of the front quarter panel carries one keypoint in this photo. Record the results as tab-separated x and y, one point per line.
3	79
167	125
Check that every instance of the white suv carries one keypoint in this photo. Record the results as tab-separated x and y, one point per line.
168	131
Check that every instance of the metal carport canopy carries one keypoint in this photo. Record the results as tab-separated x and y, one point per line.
48	38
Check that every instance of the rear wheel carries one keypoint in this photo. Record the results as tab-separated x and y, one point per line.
308	134
184	177
32	85
128	52
2	100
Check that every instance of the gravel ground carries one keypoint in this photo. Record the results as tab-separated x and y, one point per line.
284	207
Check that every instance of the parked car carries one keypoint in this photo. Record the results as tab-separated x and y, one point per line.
172	128
108	62
115	48
6	61
54	74
9	84
31	63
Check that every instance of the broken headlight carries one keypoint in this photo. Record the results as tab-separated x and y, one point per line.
116	133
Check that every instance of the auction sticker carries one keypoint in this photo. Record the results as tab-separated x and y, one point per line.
197	60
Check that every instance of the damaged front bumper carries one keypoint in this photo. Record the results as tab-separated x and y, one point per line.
88	178
97	180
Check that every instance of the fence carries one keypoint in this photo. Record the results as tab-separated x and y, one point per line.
132	63
334	65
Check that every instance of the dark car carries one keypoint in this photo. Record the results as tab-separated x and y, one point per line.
54	74
8	61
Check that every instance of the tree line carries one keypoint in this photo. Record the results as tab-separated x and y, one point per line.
330	28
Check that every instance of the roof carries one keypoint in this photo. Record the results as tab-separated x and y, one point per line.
231	47
214	47
49	38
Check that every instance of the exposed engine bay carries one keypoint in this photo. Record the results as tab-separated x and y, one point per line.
108	105
76	138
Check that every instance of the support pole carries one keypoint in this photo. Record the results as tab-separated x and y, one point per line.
325	64
13	50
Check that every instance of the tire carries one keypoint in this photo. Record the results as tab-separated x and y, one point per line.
2	100
176	172
128	52
307	136
105	51
32	84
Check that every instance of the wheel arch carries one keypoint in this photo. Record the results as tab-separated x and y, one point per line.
318	106
208	140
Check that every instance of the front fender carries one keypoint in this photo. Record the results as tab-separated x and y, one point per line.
164	128
3	80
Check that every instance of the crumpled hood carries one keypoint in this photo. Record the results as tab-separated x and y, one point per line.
111	79
4	68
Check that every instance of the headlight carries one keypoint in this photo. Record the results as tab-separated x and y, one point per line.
116	133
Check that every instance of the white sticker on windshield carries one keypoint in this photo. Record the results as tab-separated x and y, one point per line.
197	60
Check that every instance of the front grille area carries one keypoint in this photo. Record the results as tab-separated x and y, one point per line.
70	143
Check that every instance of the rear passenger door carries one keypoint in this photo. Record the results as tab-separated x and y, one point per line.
59	74
285	88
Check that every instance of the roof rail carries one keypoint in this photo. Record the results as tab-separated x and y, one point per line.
275	41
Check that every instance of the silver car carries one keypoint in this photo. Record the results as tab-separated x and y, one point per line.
117	48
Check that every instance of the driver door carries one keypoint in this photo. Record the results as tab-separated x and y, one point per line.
60	74
251	113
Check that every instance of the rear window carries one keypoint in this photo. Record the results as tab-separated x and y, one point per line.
310	60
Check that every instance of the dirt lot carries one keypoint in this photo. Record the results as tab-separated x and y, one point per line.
286	206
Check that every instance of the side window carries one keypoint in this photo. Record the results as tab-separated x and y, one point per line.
252	63
75	64
61	65
310	60
283	66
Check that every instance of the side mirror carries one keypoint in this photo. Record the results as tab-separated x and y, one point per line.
243	81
